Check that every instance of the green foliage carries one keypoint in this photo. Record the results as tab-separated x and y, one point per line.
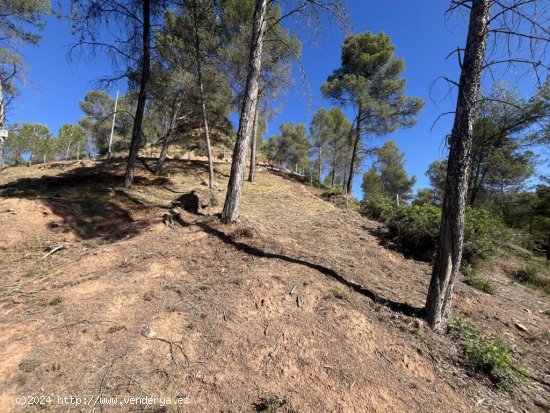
482	232
380	208
424	196
291	148
372	185
20	22
31	139
479	283
329	138
339	294
486	354
437	173
270	404
369	80
71	141
416	227
98	108
387	176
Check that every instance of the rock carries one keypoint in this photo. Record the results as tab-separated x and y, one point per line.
148	332
520	327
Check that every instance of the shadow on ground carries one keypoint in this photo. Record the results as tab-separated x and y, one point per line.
402	308
85	199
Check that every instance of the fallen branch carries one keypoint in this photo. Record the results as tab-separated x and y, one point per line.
54	250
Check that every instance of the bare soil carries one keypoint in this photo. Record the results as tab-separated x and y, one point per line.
298	301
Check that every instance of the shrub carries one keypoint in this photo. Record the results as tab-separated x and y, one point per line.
416	227
29	364
479	283
339	294
486	354
482	230
493	357
379	207
270	404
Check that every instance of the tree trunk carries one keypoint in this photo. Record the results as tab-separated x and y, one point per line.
203	104
142	97
234	188
320	169
166	143
349	183
253	142
333	172
2	125
451	235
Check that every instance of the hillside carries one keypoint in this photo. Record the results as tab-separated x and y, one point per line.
297	305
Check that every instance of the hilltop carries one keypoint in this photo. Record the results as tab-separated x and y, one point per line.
298	305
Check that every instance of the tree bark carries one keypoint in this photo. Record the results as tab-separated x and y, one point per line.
135	143
203	104
451	235
319	172
253	142
333	172
166	143
2	124
231	207
349	183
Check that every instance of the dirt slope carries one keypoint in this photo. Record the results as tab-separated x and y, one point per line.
298	300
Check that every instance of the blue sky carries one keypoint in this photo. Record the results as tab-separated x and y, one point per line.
417	28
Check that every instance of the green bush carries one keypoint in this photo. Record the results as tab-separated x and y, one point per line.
479	283
416	227
491	356
486	354
482	231
380	208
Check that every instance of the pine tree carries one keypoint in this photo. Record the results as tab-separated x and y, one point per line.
369	81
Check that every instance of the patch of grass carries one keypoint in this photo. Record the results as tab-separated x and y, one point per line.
32	271
56	301
115	328
531	275
269	404
479	283
29	364
339	294
486	354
